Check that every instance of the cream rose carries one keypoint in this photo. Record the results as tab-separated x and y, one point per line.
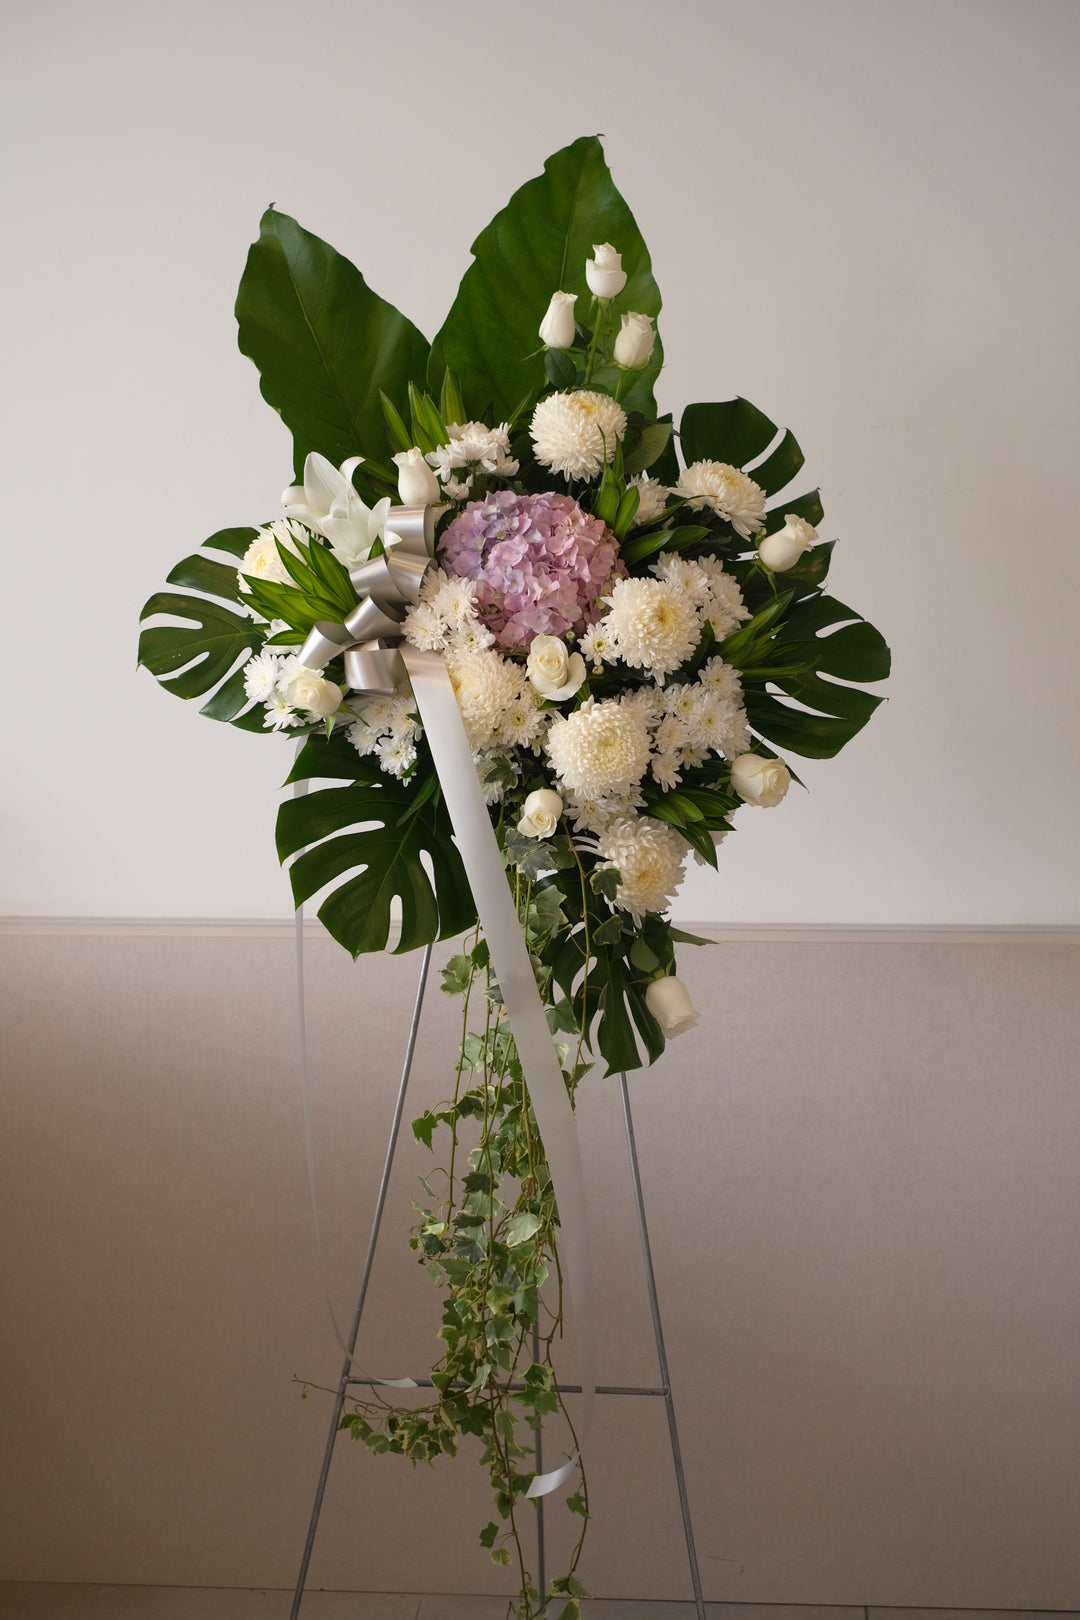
759	780
557	326
540	814
552	671
782	550
669	1002
417	484
312	692
604	273
634	344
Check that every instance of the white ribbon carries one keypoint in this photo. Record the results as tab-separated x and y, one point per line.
374	661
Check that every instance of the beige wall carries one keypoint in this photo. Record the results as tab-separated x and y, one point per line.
861	1176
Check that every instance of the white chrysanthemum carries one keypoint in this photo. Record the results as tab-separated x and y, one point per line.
261	676
485	686
280	714
262	560
665	770
652	498
724	607
684	573
649	857
671	734
647	700
602	748
455	599
522	720
716	676
575	434
396	755
730	493
364	738
425	627
655	625
597	647
473	444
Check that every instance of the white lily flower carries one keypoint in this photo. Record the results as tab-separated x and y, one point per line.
328	503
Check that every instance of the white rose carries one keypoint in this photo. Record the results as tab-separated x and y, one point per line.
605	274
310	691
782	550
557	326
552	671
669	1002
540	814
759	780
417	484
634	344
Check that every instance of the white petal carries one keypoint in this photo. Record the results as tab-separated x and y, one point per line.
322	482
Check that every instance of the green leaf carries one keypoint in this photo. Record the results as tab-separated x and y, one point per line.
500	1555
357	911
536	246
325	345
424	1128
488	1534
520	1230
202	574
234	542
204	650
651	443
733	431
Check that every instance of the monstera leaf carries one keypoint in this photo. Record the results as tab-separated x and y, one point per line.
536	246
736	432
202	654
374	833
326	346
853	652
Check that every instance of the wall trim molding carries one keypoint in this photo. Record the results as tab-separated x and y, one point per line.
723	933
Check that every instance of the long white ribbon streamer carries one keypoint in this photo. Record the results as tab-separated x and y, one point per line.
517	983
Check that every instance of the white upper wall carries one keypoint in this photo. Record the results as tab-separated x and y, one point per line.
862	217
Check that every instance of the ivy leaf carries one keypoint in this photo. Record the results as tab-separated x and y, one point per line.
520	1229
325	345
333	828
488	1534
539	242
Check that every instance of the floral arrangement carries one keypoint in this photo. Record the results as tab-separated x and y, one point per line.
633	619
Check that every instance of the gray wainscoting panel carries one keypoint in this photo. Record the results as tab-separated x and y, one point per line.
861	1177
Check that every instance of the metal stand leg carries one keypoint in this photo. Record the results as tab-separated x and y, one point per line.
661	1354
380	1203
538	1457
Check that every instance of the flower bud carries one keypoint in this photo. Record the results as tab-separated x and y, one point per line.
782	550
605	274
634	344
557	326
540	814
669	1002
552	671
310	691
759	780
417	484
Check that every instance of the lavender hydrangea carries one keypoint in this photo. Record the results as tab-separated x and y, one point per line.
539	562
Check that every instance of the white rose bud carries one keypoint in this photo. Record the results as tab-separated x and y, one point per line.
552	671
540	814
634	344
669	1002
417	484
557	326
759	780
782	550
309	690
605	274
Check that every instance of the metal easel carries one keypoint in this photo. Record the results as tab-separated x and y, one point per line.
663	1389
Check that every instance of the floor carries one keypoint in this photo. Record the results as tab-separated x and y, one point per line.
44	1601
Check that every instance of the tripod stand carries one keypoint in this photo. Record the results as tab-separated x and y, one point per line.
347	1380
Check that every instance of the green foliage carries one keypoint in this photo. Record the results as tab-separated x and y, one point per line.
537	244
325	345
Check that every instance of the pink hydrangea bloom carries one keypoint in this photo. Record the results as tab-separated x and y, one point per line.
540	563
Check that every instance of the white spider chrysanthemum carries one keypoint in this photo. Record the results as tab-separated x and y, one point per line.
575	434
655	625
485	685
262	560
649	857
652	498
473	444
600	749
731	494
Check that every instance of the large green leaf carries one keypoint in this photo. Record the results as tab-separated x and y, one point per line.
854	652
324	343
371	835
536	246
202	653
